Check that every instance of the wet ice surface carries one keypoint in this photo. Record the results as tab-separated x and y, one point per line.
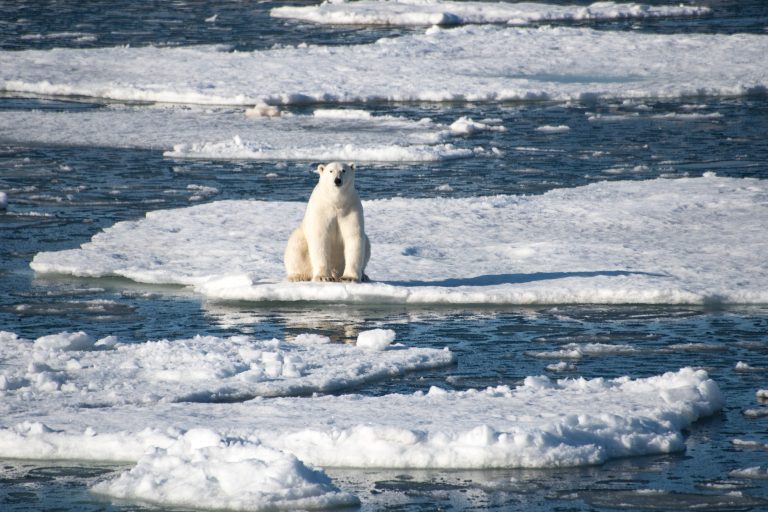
60	196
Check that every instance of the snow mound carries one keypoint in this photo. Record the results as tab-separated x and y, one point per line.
447	12
693	240
202	470
471	63
76	369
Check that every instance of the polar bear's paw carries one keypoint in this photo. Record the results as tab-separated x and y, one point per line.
295	278
325	279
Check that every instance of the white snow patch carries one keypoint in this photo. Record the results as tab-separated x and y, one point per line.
447	12
3	200
471	63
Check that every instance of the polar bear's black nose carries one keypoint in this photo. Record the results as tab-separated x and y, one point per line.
337	181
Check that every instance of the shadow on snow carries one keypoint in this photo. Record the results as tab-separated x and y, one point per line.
497	279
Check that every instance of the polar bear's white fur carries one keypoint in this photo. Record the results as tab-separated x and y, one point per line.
330	244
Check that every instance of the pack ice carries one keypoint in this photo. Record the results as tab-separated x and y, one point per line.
471	63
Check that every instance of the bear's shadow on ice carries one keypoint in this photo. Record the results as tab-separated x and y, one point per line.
497	279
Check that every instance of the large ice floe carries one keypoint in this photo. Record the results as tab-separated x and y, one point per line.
472	63
77	369
689	240
221	133
447	12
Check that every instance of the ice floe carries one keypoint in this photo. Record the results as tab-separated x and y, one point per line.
541	423
690	240
752	472
75	368
202	470
220	133
447	12
471	63
561	128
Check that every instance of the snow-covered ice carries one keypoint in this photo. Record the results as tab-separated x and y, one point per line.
690	240
752	472
541	423
77	369
3	200
202	470
447	12
263	453
222	133
561	128
471	63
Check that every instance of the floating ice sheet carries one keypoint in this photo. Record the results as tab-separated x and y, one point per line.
202	470
219	133
74	368
446	12
542	423
472	63
692	240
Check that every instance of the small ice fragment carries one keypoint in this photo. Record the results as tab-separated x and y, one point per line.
561	128
562	366
375	339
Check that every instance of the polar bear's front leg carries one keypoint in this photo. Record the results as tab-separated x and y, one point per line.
355	242
319	244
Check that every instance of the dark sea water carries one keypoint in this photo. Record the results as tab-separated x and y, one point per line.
59	197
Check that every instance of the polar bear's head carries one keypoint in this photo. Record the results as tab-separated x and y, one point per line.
337	175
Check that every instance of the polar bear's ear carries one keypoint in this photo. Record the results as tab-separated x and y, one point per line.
351	166
320	169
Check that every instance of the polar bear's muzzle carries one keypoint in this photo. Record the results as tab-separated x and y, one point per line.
337	181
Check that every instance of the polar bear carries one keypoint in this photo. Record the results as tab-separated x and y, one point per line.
330	244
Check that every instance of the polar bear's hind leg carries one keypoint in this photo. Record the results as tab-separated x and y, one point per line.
297	264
